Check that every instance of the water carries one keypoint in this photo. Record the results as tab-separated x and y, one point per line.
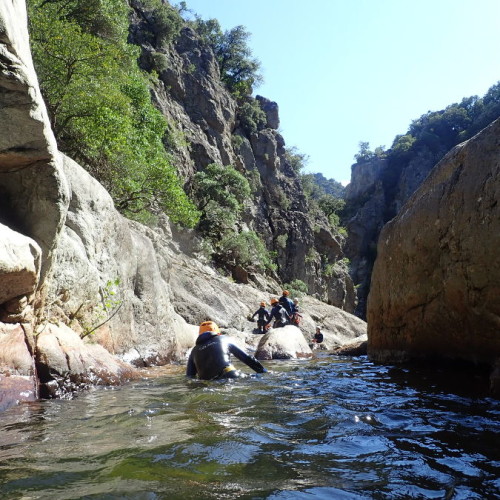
326	428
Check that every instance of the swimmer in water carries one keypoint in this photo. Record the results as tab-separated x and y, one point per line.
210	357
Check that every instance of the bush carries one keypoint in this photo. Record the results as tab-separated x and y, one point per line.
247	250
252	117
297	288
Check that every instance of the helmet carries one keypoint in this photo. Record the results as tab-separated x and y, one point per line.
274	301
296	300
286	293
208	326
263	304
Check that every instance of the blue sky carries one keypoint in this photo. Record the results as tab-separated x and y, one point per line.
345	71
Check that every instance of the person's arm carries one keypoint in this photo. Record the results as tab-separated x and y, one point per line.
250	361
191	367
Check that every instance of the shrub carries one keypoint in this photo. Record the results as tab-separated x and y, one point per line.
297	288
247	250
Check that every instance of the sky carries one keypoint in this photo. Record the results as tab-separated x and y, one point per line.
346	71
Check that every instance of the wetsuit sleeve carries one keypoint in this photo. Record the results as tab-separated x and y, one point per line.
191	367
245	358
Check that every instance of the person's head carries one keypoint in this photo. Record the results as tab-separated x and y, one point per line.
274	301
209	326
286	293
295	300
262	304
318	329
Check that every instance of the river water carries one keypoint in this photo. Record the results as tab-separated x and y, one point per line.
327	428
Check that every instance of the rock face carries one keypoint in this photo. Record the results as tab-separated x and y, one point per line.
33	194
104	258
206	127
376	193
435	285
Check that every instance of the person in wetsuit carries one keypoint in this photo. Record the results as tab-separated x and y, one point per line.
279	314
318	336
210	357
286	302
263	317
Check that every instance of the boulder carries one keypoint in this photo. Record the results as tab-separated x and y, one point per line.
435	289
20	261
358	348
17	368
283	343
65	363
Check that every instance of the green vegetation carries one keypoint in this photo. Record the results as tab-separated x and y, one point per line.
238	69
296	159
319	200
99	103
297	288
251	116
220	193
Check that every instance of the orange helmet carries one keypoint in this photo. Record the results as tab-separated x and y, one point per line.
274	301
286	293
263	304
208	326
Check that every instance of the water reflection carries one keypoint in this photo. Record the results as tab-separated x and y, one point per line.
328	428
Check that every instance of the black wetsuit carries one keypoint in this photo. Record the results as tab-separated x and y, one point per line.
210	358
263	317
281	317
318	337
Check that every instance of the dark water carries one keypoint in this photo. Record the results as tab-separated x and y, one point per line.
326	428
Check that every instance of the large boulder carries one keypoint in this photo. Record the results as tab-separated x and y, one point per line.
283	343
20	259
17	369
435	287
66	364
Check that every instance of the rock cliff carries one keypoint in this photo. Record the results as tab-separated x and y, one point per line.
206	127
86	296
434	291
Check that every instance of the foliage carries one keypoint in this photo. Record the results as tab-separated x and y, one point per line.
251	116
163	22
247	250
94	316
281	240
365	154
297	288
328	186
100	107
296	159
223	186
238	69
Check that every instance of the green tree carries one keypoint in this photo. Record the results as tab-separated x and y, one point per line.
296	159
332	208
100	107
238	69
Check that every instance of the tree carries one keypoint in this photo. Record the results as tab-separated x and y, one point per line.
238	69
100	107
296	159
